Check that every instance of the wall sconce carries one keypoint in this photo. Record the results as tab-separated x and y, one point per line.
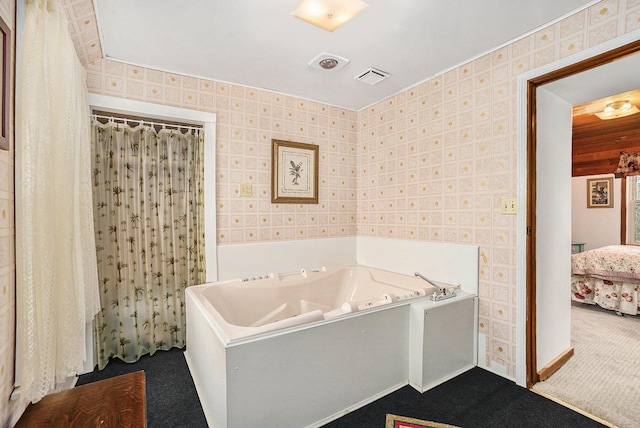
618	109
328	14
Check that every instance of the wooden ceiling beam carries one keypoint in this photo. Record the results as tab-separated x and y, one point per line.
603	154
593	169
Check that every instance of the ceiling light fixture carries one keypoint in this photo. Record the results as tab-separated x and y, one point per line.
328	14
328	62
618	109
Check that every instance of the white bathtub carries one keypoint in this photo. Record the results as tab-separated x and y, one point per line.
301	349
246	307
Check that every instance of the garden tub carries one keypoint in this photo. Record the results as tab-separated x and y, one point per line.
249	306
300	349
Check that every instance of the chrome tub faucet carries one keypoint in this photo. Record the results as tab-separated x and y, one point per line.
443	292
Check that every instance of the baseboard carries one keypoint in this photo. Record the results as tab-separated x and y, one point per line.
498	373
554	365
357	406
424	388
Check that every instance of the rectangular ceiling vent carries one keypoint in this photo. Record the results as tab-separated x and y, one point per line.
372	76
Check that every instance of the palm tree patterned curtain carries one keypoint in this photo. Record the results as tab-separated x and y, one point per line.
148	210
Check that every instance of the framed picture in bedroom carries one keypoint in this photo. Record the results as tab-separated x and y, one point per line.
294	172
600	192
5	84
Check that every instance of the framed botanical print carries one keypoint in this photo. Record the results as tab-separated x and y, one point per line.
5	83
294	173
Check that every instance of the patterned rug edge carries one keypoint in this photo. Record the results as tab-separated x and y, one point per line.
395	421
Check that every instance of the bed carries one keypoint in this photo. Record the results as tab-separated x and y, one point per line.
608	277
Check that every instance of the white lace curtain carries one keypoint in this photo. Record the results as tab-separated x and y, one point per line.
148	199
57	287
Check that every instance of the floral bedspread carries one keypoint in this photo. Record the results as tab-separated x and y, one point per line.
613	263
607	276
614	295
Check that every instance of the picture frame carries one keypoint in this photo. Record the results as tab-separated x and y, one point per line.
294	172
600	192
5	84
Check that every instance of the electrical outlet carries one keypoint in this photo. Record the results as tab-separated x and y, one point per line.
245	190
508	206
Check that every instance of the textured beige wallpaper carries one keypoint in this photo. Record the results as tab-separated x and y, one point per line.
434	160
247	120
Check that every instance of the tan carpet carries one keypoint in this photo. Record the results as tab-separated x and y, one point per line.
603	376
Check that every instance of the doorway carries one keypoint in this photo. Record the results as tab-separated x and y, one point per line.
530	334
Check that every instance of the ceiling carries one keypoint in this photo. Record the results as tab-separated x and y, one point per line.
258	43
596	143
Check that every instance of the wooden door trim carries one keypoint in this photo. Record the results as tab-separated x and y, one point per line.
623	211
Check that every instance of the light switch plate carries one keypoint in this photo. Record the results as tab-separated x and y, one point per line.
508	206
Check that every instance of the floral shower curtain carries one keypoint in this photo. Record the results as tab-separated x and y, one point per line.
149	231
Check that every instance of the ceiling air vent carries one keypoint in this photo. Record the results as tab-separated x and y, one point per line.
372	76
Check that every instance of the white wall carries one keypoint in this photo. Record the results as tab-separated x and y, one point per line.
260	258
451	263
553	227
596	227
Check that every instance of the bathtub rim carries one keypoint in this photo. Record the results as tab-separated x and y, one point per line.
219	328
231	342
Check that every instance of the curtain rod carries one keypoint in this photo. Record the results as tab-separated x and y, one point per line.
147	122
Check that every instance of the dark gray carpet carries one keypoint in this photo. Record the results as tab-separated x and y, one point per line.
475	399
172	400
